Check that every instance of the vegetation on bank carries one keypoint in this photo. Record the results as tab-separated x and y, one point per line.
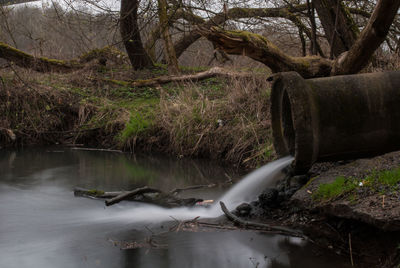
220	118
376	182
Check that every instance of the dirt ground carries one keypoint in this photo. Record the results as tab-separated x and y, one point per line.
364	224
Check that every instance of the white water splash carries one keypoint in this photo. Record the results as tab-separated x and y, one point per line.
246	190
254	183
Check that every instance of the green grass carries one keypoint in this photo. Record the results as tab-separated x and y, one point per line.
382	182
389	178
143	112
339	187
137	125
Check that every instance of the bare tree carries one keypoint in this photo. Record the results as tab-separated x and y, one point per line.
130	35
356	56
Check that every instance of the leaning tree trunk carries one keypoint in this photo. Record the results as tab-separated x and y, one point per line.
369	40
338	25
130	34
39	64
169	49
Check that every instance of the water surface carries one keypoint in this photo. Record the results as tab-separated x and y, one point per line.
42	224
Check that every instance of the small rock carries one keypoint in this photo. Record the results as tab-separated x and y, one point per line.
243	209
289	192
269	197
298	181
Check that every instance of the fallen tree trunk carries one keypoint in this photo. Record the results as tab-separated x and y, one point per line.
352	61
261	49
213	72
41	64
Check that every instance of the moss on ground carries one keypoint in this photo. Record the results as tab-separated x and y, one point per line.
339	187
381	182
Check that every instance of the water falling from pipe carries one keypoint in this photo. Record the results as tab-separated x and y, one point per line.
246	190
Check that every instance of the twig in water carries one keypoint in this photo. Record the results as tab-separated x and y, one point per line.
351	251
95	149
195	187
177	190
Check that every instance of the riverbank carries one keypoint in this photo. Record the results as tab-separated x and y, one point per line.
224	119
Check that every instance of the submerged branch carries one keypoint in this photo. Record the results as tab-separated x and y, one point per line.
130	194
262	226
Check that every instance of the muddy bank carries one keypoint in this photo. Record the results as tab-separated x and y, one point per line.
369	191
350	207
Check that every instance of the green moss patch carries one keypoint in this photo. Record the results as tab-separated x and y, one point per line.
386	180
339	187
95	192
383	182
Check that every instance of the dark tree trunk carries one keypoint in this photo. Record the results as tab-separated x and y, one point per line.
130	34
311	15
339	27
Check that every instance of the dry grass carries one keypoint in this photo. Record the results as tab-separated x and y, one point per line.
53	108
215	118
227	121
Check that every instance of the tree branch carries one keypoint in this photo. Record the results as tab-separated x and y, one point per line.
261	49
287	12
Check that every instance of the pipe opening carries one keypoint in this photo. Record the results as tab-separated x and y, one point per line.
289	136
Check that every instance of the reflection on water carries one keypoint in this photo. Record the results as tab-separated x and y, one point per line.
43	225
102	170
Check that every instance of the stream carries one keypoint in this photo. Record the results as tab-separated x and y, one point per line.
42	224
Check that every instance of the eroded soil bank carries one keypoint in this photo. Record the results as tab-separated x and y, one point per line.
219	118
